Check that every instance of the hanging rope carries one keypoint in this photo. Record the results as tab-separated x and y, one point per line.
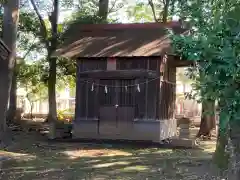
126	87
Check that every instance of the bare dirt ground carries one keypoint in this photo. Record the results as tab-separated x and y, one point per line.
32	157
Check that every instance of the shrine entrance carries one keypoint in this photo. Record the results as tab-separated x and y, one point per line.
117	105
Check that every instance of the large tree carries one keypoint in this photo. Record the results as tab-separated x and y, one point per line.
10	23
214	45
162	10
49	36
13	97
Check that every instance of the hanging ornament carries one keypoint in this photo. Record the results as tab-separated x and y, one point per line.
92	89
138	88
126	88
105	89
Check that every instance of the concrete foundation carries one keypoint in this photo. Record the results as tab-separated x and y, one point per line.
139	130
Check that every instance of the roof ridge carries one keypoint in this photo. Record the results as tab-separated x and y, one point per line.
117	26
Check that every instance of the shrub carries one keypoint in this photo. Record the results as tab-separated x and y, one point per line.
65	115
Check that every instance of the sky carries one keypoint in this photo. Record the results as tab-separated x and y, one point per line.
121	14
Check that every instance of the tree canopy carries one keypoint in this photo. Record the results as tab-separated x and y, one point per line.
213	44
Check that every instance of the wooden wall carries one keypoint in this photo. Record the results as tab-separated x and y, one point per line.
87	103
4	53
156	100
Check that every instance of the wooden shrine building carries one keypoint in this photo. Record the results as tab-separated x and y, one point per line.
125	80
4	52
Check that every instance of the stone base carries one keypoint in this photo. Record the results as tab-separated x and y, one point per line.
139	130
184	142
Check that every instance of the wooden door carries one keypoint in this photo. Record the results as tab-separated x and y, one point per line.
126	105
117	103
107	114
107	121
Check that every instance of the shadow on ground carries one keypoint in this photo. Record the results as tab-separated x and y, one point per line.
34	158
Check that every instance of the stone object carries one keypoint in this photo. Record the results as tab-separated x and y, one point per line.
184	126
184	142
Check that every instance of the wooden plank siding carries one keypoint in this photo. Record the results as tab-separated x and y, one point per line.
155	100
4	51
87	104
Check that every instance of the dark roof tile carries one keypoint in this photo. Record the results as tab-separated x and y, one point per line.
117	40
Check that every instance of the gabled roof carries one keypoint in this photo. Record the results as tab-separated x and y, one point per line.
4	50
117	40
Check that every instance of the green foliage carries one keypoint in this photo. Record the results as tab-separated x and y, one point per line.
214	46
29	77
140	12
66	66
65	115
144	11
28	23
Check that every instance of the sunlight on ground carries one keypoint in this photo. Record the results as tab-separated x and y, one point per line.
162	151
63	161
17	156
94	153
111	164
135	168
209	146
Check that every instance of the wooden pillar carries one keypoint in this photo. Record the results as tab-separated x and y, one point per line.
167	93
172	92
163	89
158	89
96	99
86	101
146	94
77	99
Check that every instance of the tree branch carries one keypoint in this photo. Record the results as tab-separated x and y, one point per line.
153	10
43	26
164	2
113	5
30	49
111	10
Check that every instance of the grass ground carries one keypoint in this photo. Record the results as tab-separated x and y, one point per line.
34	158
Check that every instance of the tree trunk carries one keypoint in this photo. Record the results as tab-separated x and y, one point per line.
52	114
31	110
207	119
10	22
103	9
221	156
51	45
227	154
234	146
165	11
13	99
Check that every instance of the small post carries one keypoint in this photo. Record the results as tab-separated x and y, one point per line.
184	125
